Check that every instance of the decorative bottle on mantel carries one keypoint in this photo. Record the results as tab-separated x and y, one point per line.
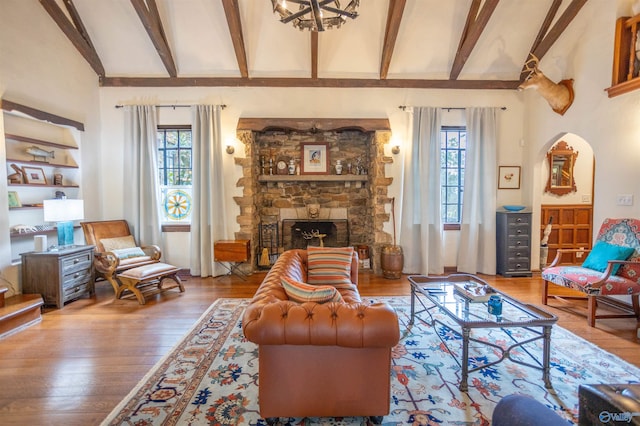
292	167
338	167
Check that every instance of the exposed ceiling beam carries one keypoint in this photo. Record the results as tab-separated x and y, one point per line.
551	14
232	12
147	11
77	34
563	22
306	82
314	54
394	17
475	27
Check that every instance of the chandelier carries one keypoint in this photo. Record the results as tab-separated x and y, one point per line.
315	15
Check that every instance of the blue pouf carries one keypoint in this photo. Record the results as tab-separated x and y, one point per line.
520	410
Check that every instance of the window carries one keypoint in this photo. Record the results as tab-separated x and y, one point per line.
174	173
452	161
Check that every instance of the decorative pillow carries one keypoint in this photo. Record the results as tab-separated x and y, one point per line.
329	265
127	253
603	252
302	292
111	244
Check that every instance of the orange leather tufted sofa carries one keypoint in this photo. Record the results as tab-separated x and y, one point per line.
320	360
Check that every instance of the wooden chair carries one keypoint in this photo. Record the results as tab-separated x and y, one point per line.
611	269
127	266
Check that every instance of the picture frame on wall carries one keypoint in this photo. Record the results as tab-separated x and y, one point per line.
509	177
34	175
314	158
14	200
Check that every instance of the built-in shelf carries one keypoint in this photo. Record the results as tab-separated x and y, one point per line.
23	207
38	141
313	178
42	163
44	230
37	185
626	64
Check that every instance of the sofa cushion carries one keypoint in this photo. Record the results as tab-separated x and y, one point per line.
329	265
302	292
602	253
111	244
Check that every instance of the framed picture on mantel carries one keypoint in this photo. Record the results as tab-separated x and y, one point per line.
314	158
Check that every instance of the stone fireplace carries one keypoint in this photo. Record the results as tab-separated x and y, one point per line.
347	209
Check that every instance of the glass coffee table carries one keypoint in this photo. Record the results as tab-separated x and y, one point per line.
463	299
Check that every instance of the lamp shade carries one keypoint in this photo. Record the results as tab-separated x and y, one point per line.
63	210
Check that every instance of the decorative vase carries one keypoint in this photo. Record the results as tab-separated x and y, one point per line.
338	167
392	262
292	167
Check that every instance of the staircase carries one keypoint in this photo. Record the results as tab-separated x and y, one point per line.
18	312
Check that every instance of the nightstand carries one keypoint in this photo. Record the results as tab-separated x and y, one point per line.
59	275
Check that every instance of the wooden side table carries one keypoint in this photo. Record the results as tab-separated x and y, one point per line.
59	276
233	252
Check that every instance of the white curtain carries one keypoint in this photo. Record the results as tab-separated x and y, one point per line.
421	223
141	190
208	218
477	247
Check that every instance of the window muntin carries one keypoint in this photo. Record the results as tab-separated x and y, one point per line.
453	143
175	159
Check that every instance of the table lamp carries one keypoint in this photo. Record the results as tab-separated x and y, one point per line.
64	212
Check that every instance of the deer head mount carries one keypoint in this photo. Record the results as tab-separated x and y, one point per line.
558	95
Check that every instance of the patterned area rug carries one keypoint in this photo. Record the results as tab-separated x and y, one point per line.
210	377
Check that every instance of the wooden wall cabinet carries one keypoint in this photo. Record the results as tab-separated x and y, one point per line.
572	228
626	64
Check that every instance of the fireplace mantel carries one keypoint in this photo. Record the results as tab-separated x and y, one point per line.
314	124
313	178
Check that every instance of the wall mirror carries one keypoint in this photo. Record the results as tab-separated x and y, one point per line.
562	159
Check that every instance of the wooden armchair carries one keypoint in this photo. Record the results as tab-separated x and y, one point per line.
612	268
116	249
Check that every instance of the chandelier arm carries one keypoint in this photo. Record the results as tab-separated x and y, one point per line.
340	12
295	15
317	15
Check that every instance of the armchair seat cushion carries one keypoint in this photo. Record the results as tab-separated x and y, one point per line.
581	279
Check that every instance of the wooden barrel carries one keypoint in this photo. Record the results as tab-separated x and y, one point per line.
391	261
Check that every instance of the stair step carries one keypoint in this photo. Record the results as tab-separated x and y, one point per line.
18	312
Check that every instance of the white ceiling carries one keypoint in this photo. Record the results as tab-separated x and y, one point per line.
201	45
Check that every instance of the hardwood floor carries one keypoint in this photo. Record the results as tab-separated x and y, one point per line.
80	361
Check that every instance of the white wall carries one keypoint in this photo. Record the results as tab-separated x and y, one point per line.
40	68
609	125
296	103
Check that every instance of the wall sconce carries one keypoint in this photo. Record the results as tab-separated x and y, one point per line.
230	149
395	149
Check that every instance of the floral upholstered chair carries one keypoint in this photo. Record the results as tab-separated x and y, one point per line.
611	268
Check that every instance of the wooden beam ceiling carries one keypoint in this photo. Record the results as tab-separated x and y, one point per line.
148	14
399	83
232	12
473	29
394	17
480	12
551	14
76	34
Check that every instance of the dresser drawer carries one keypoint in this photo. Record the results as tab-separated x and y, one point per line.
74	292
81	261
75	278
517	241
518	264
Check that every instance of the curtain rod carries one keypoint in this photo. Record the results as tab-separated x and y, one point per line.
170	106
404	108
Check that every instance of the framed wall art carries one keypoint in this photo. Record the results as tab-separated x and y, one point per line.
314	158
34	175
509	177
14	200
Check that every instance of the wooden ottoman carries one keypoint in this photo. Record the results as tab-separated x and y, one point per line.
142	277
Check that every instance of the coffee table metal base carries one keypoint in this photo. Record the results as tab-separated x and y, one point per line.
540	329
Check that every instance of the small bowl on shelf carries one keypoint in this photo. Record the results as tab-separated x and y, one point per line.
513	208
